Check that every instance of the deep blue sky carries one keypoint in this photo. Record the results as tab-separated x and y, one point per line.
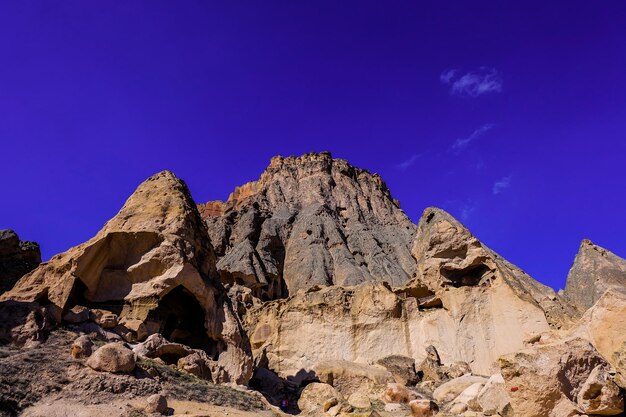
511	116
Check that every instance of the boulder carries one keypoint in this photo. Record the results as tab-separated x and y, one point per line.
103	318
450	390
350	377
397	393
77	314
198	364
618	360
599	395
23	323
82	347
156	403
461	403
402	368
493	398
431	368
112	357
537	378
318	397
457	369
423	408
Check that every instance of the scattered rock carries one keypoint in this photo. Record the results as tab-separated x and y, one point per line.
156	403
198	364
397	393
423	408
600	395
103	318
82	347
448	391
77	314
401	367
493	397
112	357
316	397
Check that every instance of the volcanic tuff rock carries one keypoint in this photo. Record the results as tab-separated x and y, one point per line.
487	308
152	262
309	221
17	257
595	271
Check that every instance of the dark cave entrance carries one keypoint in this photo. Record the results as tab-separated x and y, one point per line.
465	277
78	298
181	319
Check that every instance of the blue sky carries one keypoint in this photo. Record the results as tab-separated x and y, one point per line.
511	116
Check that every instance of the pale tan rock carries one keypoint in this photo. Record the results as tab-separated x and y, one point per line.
197	363
349	377
112	357
360	400
318	397
156	403
618	360
565	408
599	395
137	329
460	404
153	257
82	347
398	393
492	398
448	391
431	368
104	318
457	369
423	408
537	378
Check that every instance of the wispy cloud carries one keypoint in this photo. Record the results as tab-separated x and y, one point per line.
462	143
467	209
406	164
474	83
501	185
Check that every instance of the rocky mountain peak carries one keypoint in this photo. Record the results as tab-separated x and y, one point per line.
595	270
310	220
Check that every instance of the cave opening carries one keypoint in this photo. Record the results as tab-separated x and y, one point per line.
470	276
78	298
180	318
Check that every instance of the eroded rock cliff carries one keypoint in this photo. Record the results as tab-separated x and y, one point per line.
310	221
17	257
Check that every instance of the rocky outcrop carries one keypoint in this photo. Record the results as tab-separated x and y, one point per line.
487	308
153	262
112	357
17	257
449	257
594	272
310	221
553	376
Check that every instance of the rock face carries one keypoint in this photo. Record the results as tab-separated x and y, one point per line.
310	221
544	377
17	257
487	308
595	271
152	262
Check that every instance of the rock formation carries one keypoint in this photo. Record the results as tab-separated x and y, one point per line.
310	221
17	257
153	262
313	286
594	272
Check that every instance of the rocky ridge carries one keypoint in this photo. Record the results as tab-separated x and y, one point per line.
17	257
312	287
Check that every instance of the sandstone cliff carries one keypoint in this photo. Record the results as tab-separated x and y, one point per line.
309	221
153	262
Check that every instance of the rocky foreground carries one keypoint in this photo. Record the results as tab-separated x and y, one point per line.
308	292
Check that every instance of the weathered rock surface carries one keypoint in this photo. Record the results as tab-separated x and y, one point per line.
599	395
152	262
112	357
475	323
310	221
540	377
17	257
156	403
317	398
595	271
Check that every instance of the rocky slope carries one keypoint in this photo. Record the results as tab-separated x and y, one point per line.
310	221
17	257
312	287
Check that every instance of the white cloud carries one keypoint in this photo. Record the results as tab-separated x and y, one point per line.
501	185
474	83
467	209
462	143
406	164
